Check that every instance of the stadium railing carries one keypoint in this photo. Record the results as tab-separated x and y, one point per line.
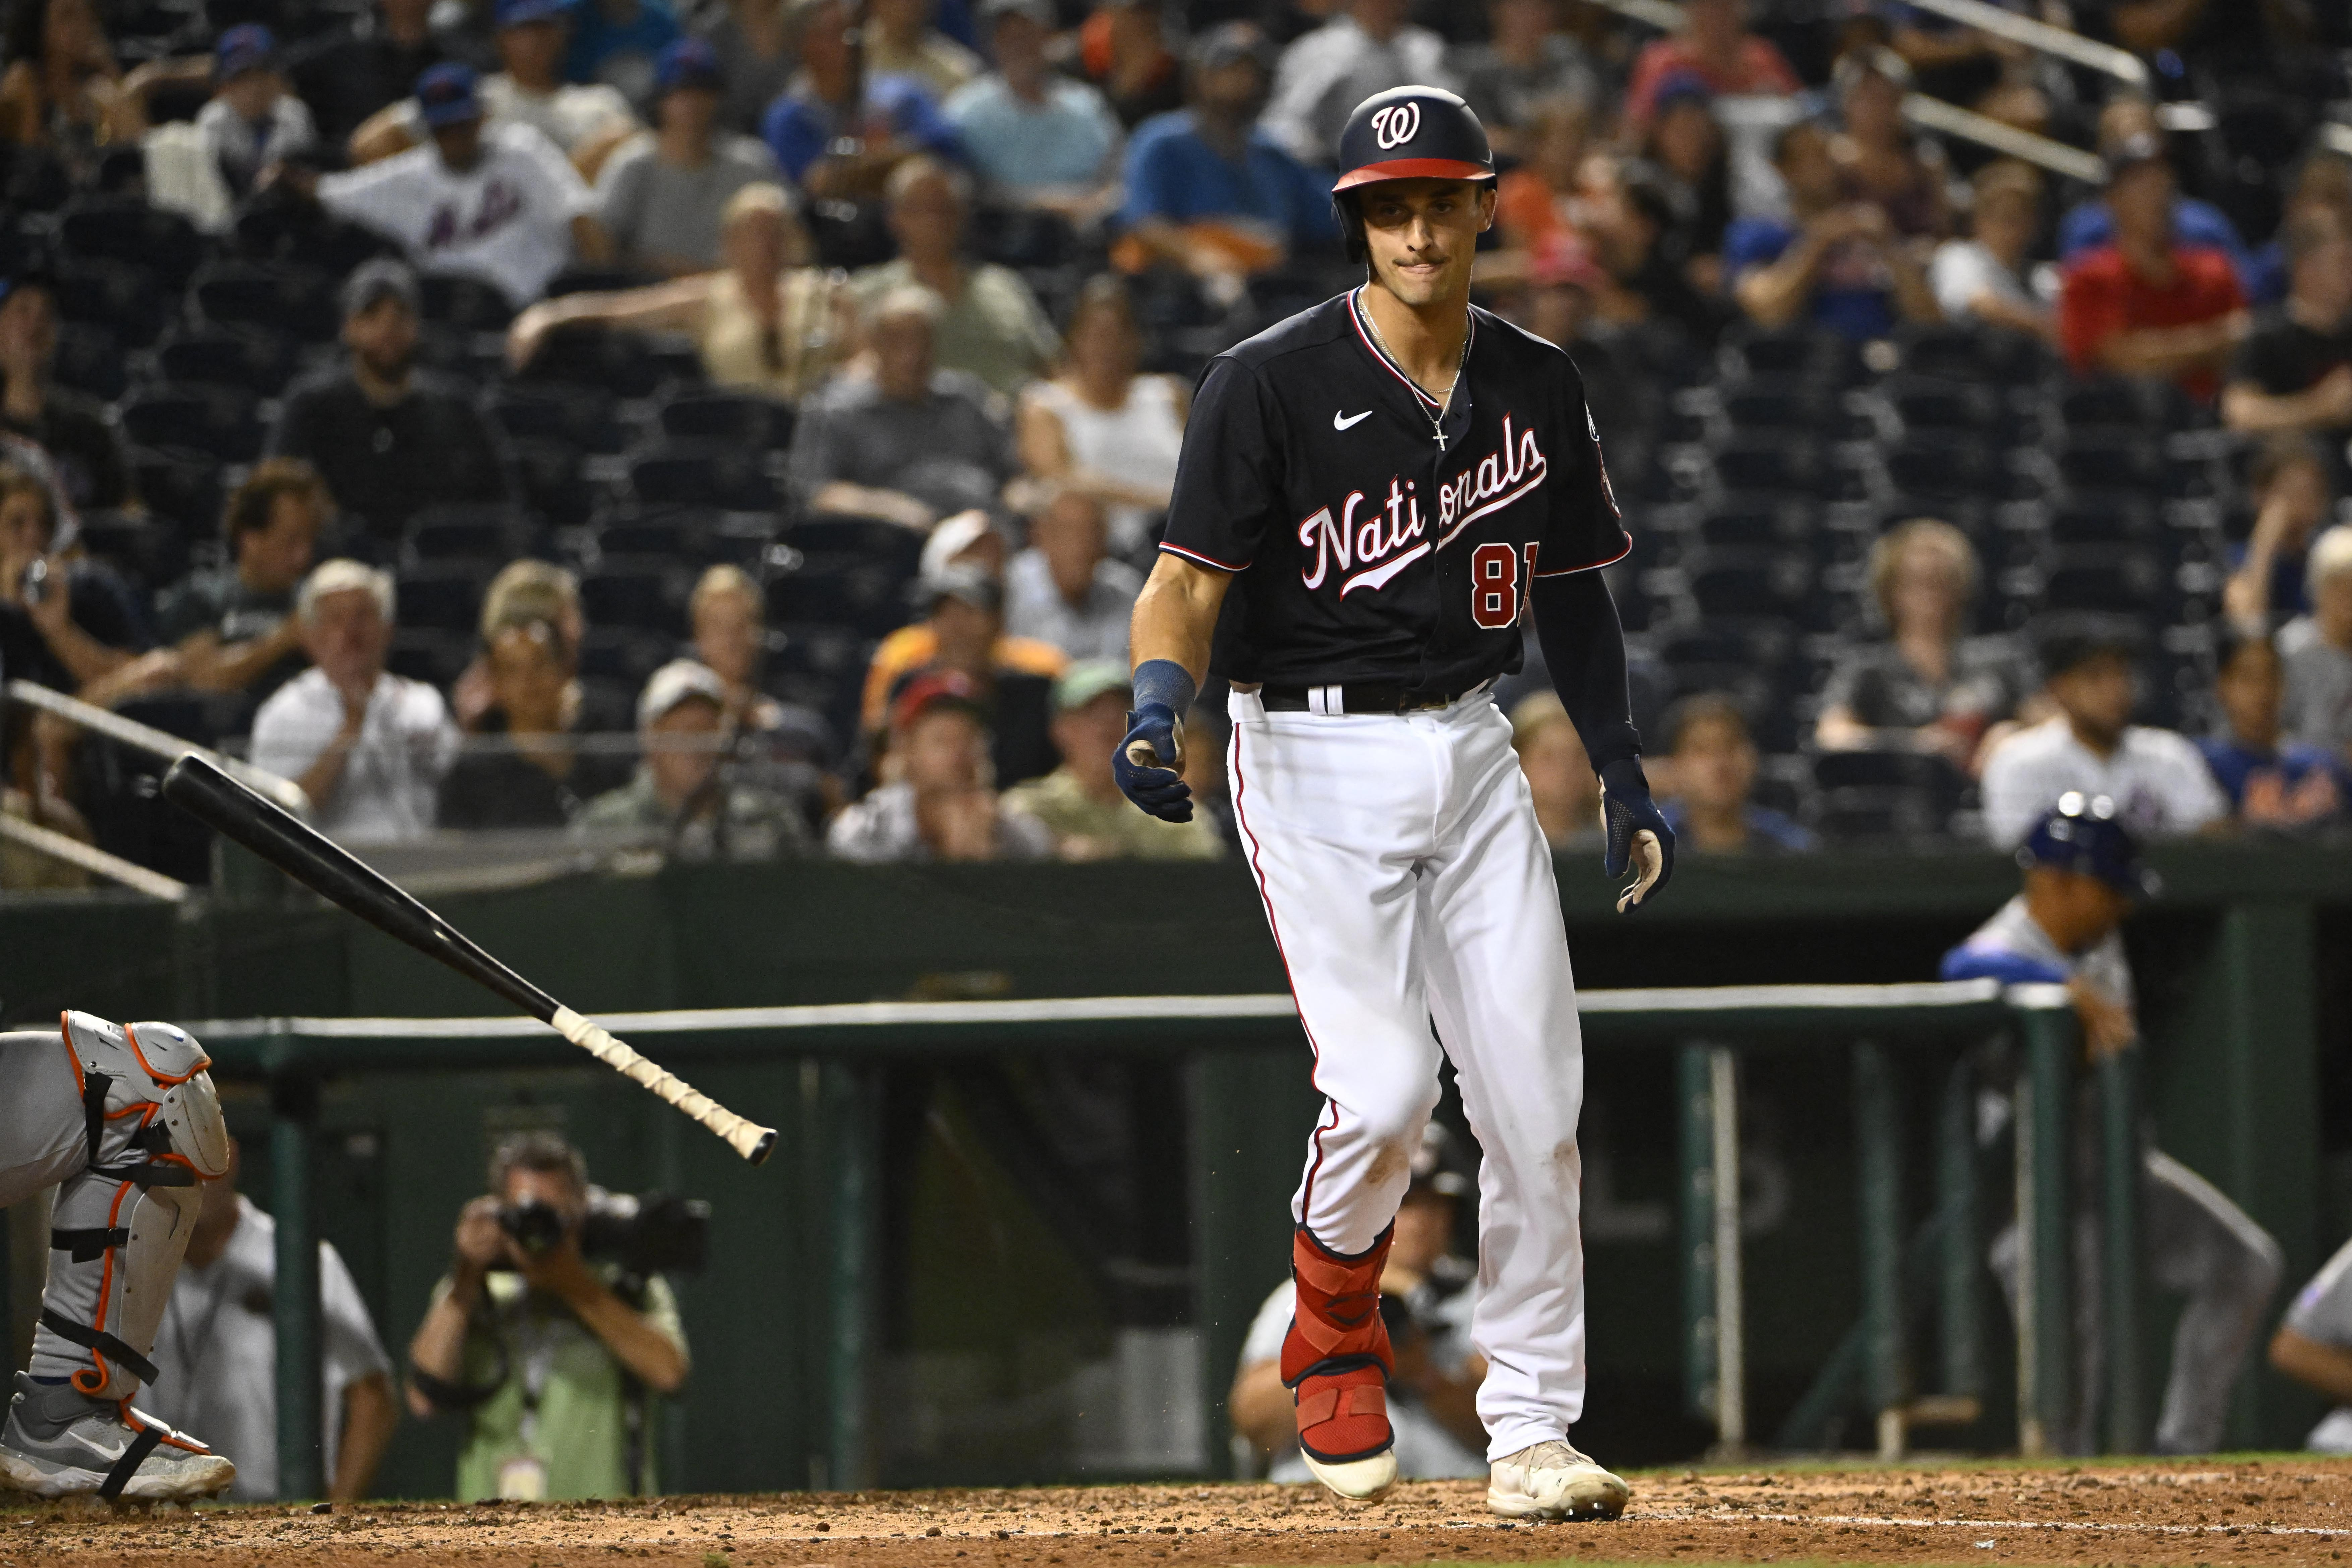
1882	1026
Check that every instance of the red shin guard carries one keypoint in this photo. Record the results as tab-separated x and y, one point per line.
1336	1357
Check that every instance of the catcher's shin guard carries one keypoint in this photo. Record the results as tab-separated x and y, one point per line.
121	1225
1336	1361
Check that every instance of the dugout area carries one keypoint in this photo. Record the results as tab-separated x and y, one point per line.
995	1327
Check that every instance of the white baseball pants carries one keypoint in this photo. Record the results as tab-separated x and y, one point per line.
1406	881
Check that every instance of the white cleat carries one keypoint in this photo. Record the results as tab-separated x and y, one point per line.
1355	1480
1552	1480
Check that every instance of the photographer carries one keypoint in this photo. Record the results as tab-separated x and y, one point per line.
1427	1295
549	1356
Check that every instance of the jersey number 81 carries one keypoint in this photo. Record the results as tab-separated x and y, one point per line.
1495	599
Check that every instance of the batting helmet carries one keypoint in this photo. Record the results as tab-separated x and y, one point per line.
1406	134
2081	834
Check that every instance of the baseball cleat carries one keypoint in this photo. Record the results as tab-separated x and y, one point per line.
1552	1480
1355	1480
57	1443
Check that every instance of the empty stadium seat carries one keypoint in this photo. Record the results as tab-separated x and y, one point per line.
866	595
126	229
624	364
625	656
469	304
217	420
743	418
270	297
458	531
444	596
145	548
89	361
639	593
1778	465
226	356
702	473
129	301
437	656
1750	584
1939	465
580	415
2103	579
553	482
180	483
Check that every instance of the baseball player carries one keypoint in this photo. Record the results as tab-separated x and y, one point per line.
122	1119
2082	873
1373	498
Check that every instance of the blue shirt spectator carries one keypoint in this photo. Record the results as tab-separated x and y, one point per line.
1029	132
1851	300
1175	176
800	125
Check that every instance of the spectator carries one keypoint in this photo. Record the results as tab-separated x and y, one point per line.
686	798
766	322
2270	785
1101	428
663	198
1523	63
1712	761
753	41
962	633
1429	1296
1123	51
61	91
208	170
908	444
1367	46
1983	278
1715	46
834	104
2291	497
2317	648
617	42
2127	119
1210	193
1627	223
1839	264
549	1357
65	622
2147	305
1566	791
349	74
900	40
1955	62
369	747
2293	371
1037	137
523	592
989	324
216	1354
2158	779
1061	590
234	624
1881	161
936	802
1929	687
1682	157
499	203
792	746
84	450
586	121
1079	802
389	442
1538	205
527	767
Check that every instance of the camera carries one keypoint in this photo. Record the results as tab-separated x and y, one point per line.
34	583
649	1233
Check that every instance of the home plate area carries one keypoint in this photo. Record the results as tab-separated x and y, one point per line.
2272	1509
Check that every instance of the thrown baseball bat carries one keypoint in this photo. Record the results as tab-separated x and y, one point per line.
317	862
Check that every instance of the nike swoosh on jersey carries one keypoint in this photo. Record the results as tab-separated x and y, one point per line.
1339	424
1378	577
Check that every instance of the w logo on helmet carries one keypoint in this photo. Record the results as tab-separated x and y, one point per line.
1396	125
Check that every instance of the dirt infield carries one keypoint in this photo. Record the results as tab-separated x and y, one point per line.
2286	1510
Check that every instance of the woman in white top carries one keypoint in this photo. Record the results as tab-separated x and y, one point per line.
1982	279
1101	428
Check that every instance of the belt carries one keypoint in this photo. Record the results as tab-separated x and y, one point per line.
1359	697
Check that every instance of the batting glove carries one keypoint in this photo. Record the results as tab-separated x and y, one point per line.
1146	763
1639	838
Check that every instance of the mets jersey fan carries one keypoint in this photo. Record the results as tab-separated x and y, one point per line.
1373	498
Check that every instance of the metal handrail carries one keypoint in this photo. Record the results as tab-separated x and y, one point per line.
2067	44
89	858
160	743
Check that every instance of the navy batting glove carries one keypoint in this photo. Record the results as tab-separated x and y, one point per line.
1155	738
1627	815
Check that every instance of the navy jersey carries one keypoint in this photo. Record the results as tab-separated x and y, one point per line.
1366	547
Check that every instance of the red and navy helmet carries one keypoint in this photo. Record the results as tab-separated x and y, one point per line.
1412	133
1406	134
2080	834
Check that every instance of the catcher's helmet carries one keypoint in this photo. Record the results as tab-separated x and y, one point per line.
2081	834
1406	134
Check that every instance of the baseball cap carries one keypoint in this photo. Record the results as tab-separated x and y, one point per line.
975	588
935	689
2080	834
951	538
1678	86
689	62
445	95
679	680
1087	679
1437	1164
373	280
248	47
520	13
1230	43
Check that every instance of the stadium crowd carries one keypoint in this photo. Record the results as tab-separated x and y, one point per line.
741	425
